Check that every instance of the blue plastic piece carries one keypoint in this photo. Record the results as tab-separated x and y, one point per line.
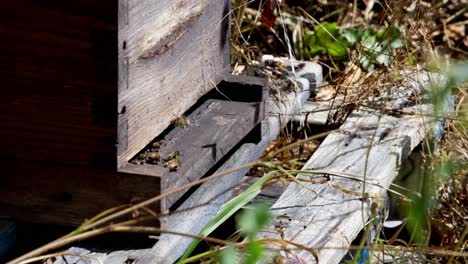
7	236
439	130
364	258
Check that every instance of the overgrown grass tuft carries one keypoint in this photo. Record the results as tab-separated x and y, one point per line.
363	46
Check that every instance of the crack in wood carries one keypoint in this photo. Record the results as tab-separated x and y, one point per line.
159	42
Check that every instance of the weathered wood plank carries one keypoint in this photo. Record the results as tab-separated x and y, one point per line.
84	256
201	207
316	112
65	195
213	130
59	62
217	192
170	54
210	197
269	193
390	256
371	146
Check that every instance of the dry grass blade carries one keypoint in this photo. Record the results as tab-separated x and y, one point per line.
230	208
85	231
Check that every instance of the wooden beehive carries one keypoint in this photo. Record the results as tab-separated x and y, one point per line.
87	85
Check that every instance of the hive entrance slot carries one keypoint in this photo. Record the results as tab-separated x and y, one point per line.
239	94
253	136
203	138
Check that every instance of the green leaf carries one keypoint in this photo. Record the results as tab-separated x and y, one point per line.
353	35
254	252
383	59
446	169
376	46
366	61
369	42
312	47
390	37
326	30
309	38
373	51
253	219
229	209
458	73
229	255
396	44
411	59
337	49
327	39
314	50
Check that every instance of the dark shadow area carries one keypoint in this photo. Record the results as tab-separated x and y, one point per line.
253	137
28	236
31	236
117	241
230	91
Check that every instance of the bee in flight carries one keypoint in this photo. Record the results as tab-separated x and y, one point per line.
181	121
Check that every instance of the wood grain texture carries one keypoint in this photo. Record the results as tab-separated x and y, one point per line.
57	112
201	207
84	256
67	195
170	54
59	73
64	68
316	112
269	193
213	130
371	145
207	200
82	191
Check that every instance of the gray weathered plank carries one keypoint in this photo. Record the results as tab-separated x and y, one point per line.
390	256
316	112
170	54
213	130
370	145
201	207
218	191
269	194
83	256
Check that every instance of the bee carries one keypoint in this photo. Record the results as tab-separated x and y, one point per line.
173	155
181	121
173	164
153	156
172	161
156	145
143	156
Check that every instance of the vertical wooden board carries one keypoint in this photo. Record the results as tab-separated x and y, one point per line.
207	200
67	195
194	213
59	78
170	54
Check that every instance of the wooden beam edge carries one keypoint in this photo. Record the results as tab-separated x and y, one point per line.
277	114
329	228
